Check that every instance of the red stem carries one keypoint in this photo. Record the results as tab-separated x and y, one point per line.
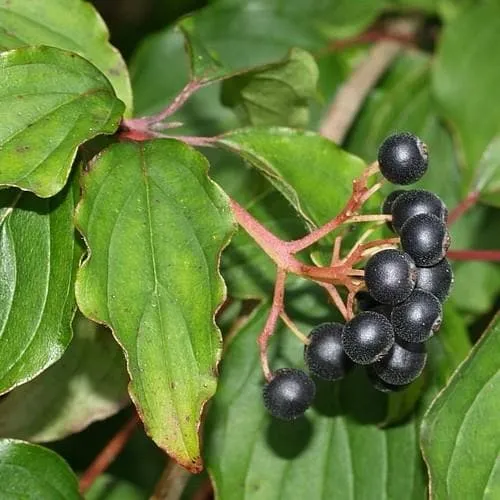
272	319
480	255
370	37
108	454
471	199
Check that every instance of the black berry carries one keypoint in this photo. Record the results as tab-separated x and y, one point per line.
324	355
389	202
417	201
390	276
289	393
425	238
380	385
436	279
418	317
402	365
403	158
367	337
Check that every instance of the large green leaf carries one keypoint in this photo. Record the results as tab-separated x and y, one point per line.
71	25
240	33
313	174
89	383
52	101
155	236
278	95
466	83
460	432
31	472
336	451
39	259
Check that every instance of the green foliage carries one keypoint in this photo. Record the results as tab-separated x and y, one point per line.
282	155
56	94
152	277
39	259
463	417
38	22
338	451
30	471
279	94
89	383
124	218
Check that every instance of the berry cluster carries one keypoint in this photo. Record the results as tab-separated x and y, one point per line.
402	305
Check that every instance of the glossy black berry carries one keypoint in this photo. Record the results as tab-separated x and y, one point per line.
289	393
417	201
367	337
402	365
390	276
388	204
436	279
425	238
403	158
324	355
418	317
382	386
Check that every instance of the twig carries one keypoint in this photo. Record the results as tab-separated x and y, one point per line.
204	492
350	304
481	255
337	245
359	191
371	36
293	328
272	319
108	454
172	482
336	298
349	99
471	199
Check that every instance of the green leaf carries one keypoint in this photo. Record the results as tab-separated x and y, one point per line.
311	172
39	259
336	451
237	32
276	95
29	471
39	22
107	487
465	57
52	102
487	180
448	348
460	437
389	109
89	383
154	83
155	236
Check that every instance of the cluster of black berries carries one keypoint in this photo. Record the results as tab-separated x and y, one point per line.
402	307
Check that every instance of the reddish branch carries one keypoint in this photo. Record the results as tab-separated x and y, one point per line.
108	454
481	255
339	272
462	207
